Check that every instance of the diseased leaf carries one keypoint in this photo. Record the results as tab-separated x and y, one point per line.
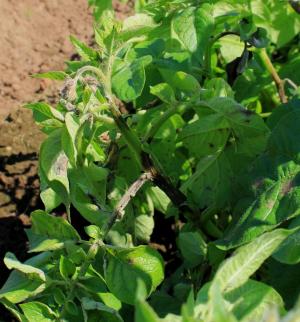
223	131
277	200
54	165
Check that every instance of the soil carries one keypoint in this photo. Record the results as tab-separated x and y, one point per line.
34	38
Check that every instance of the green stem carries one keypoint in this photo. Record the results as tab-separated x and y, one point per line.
104	119
130	137
177	108
84	267
68	210
262	54
207	55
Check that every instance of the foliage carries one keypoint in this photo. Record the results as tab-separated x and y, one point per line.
182	118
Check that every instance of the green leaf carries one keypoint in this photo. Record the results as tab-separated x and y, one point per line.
37	312
93	231
88	192
143	227
216	87
72	308
136	26
59	296
19	286
288	70
126	266
231	47
192	247
210	132
90	304
83	50
128	78
219	308
50	199
69	136
49	232
192	28
276	200
66	267
280	20
14	310
164	92
285	128
289	251
252	299
285	279
182	81
54	75
100	7
247	259
43	112
160	200
225	138
144	312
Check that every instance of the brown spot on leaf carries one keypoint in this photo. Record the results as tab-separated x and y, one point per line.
257	183
130	261
287	187
270	204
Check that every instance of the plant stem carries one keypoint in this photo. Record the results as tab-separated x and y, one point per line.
130	137
91	69
271	69
68	210
177	108
84	267
122	204
105	119
207	56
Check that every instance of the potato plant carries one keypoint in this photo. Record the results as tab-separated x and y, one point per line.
176	141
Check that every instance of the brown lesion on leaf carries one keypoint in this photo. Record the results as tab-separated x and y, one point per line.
270	204
257	183
130	261
287	187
